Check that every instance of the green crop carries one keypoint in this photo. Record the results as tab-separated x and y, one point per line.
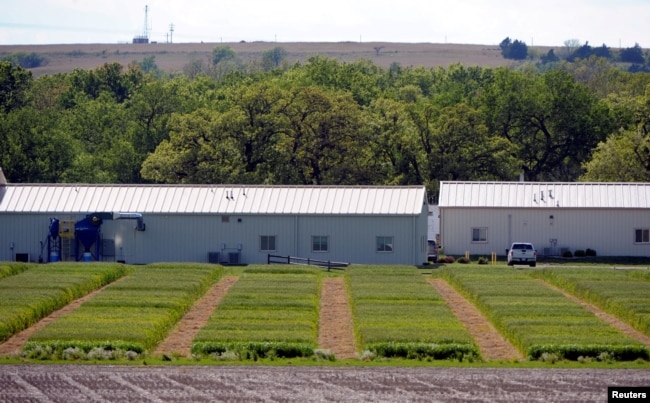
538	319
265	314
10	269
30	295
397	313
138	311
622	293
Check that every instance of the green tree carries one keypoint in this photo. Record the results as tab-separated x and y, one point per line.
151	108
222	54
99	125
186	156
32	149
516	49
324	142
550	57
632	55
273	58
235	142
14	83
397	146
148	65
464	150
623	157
552	122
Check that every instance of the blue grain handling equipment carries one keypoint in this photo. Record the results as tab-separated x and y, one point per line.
87	235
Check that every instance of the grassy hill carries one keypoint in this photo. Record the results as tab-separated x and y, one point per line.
172	57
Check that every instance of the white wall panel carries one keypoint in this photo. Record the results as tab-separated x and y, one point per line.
610	232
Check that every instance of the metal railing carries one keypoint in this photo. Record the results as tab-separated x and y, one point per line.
277	259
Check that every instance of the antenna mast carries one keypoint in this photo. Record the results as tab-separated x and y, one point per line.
147	24
144	38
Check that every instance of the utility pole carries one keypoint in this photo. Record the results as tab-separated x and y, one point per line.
171	33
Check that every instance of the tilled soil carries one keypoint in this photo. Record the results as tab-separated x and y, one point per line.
80	383
335	331
491	343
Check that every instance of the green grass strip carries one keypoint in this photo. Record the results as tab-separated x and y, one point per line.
29	296
622	293
137	311
10	269
398	314
539	320
267	313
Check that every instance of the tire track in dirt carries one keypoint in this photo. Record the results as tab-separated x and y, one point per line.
491	343
335	330
15	343
179	341
607	318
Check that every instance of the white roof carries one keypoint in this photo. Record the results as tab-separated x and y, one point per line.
213	199
545	194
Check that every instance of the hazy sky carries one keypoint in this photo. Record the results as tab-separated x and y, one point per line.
550	22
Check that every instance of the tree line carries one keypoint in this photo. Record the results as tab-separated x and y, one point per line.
324	122
573	50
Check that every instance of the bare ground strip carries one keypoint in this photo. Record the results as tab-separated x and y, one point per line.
15	343
491	343
335	330
180	339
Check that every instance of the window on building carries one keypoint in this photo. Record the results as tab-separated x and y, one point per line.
267	243
479	234
642	235
319	243
384	244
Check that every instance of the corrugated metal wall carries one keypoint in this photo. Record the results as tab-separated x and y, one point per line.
610	232
189	237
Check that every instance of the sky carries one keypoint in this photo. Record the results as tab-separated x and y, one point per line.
615	23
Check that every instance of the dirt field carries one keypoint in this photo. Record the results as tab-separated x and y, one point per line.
74	383
172	57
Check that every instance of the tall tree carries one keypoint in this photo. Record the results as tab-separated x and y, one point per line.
273	58
552	122
624	156
14	83
324	142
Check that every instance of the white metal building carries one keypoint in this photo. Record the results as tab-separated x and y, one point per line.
220	223
483	217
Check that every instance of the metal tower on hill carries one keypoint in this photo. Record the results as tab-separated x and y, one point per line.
144	38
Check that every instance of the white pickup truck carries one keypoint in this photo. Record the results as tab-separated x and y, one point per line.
522	253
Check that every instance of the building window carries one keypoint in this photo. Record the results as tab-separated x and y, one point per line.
384	244
479	235
642	235
225	218
267	243
319	243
